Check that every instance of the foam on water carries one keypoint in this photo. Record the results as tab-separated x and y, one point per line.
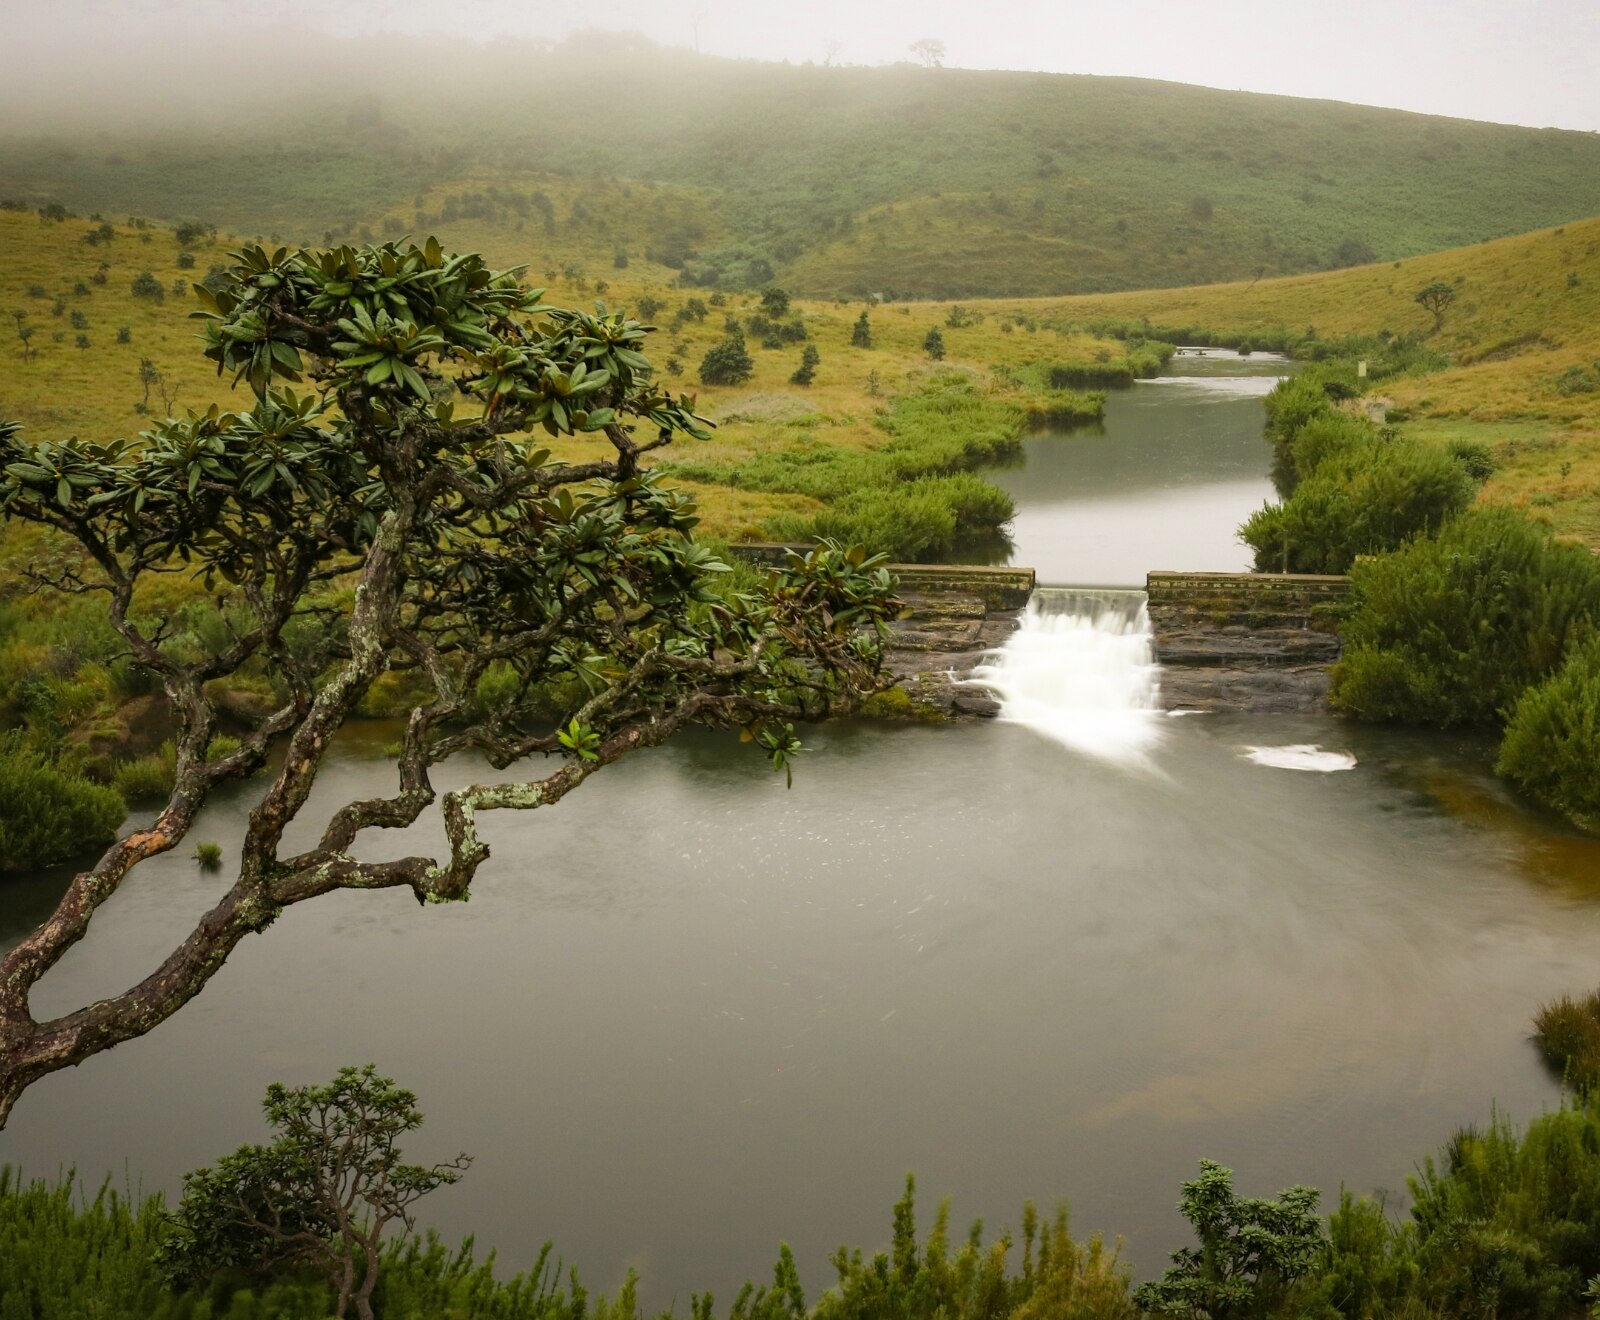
1300	756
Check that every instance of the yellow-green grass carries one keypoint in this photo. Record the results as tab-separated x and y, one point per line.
94	392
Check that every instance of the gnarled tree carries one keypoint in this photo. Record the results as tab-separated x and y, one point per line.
395	514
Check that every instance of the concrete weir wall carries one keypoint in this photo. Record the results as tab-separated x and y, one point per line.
1225	641
1245	641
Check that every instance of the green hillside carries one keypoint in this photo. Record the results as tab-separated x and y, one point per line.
903	181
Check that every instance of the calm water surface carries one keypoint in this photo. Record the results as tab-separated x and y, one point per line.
688	1014
1163	484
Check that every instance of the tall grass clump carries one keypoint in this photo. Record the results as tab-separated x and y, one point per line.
48	813
1059	1279
1568	1033
64	1256
1551	748
1452	630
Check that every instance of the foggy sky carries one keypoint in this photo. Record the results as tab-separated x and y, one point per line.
1532	62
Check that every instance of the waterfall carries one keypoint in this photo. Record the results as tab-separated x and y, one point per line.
1081	669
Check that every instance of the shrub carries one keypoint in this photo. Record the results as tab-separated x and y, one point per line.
933	344
1451	631
727	363
1552	743
1474	456
147	778
806	372
1361	498
209	855
1568	1032
1251	1252
47	813
146	285
861	332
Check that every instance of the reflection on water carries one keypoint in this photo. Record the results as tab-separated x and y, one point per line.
1180	464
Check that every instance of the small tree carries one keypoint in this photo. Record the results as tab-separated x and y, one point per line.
806	372
1436	298
929	51
774	302
149	374
146	285
82	342
25	335
933	344
320	1197
727	363
861	334
1250	1250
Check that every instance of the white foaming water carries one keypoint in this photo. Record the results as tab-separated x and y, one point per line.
1300	756
1081	669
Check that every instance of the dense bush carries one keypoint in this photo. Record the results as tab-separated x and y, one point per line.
1452	630
1552	743
1364	496
727	363
46	812
923	518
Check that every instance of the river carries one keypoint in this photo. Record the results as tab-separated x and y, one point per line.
689	1014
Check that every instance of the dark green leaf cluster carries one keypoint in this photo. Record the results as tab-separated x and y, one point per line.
1251	1252
806	372
1363	493
727	362
46	812
1551	748
1452	630
319	1197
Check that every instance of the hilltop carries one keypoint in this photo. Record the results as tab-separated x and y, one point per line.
899	181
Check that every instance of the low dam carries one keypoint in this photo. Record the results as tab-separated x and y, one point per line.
1219	641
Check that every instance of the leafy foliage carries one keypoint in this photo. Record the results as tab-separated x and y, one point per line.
1551	747
48	813
1367	495
1451	630
806	372
320	1196
1251	1252
727	363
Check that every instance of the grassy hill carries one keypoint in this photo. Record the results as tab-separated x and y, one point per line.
903	181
